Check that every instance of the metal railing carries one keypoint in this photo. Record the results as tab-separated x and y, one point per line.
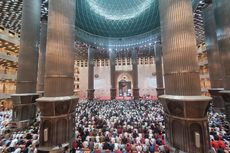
8	57
8	76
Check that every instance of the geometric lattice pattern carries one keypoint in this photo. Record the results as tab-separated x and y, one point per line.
11	13
106	18
117	18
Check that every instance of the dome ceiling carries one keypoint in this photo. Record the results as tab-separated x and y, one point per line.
117	18
106	23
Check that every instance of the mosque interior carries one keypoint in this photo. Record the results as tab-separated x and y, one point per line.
171	57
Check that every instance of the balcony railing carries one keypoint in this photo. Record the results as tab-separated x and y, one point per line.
8	57
8	76
4	96
9	36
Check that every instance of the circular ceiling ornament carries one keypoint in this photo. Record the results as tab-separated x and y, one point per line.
118	9
96	76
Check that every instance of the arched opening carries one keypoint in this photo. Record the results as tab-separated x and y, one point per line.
124	85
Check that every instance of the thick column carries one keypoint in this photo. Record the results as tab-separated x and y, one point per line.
58	104
185	110
159	70
214	59
135	74
42	57
222	13
90	91
24	109
113	89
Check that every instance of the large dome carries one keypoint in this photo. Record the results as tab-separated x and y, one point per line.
117	18
103	23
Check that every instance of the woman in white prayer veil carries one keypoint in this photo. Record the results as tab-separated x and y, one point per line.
18	150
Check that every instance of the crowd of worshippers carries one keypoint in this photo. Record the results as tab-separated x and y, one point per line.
120	126
113	126
219	131
15	141
134	126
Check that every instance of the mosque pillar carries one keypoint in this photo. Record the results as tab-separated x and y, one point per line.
222	13
24	109
58	104
42	57
185	110
135	74
112	74
214	59
159	69
90	91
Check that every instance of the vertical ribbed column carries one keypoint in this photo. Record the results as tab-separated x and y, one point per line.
90	73
24	109
179	48
58	105
112	74
42	56
159	69
185	109
214	59
222	13
135	74
28	51
60	49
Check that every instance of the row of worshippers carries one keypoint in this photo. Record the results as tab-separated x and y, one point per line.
5	118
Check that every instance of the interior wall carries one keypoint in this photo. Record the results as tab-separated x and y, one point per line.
146	79
102	83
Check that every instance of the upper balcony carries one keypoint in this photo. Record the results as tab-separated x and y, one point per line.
9	36
8	77
4	56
